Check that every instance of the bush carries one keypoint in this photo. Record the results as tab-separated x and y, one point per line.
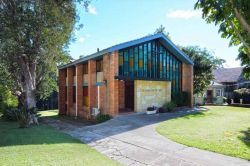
180	98
242	93
151	108
103	118
10	114
161	110
23	118
169	106
7	99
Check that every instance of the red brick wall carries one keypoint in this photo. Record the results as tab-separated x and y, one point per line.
70	91
91	87
62	92
187	81
111	94
114	84
79	89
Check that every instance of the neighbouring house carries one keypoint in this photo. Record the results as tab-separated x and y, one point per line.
130	76
226	80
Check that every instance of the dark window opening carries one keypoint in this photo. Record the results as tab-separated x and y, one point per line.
99	65
74	71
85	68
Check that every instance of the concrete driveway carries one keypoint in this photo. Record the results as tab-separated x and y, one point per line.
132	140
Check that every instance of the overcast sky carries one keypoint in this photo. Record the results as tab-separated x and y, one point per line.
110	22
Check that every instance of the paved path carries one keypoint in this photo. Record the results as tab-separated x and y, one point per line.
132	140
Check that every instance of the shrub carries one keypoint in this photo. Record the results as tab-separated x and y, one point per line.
180	98
10	114
7	99
242	93
151	108
103	118
161	110
169	106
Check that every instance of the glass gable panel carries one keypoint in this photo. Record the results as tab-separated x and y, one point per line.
151	60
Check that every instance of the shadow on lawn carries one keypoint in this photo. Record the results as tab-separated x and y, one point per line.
119	124
246	137
12	135
194	115
44	134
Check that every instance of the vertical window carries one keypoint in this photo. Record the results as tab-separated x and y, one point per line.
74	70
99	66
140	61
173	73
145	57
153	59
131	62
85	68
85	91
149	60
218	92
126	63
121	63
136	61
85	96
168	66
160	62
164	63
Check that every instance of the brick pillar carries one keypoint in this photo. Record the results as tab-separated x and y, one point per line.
114	84
187	81
70	80
62	92
106	88
121	94
79	89
91	86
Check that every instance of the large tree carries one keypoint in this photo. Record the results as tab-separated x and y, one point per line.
204	64
34	35
233	18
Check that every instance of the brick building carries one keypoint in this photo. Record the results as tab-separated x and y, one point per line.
126	77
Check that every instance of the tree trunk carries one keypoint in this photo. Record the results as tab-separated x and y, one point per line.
30	97
29	73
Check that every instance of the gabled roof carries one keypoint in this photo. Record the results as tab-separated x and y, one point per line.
162	38
228	75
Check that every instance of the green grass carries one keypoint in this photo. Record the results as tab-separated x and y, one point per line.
43	145
70	119
221	129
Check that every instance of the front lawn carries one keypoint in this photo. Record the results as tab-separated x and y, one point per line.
221	129
43	145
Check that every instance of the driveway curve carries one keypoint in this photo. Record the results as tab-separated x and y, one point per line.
132	140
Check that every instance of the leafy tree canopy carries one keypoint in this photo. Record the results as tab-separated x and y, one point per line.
233	19
204	64
34	37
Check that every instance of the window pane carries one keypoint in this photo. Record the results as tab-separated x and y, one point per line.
149	60
131	62
121	63
99	66
140	61
126	63
136	61
145	60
